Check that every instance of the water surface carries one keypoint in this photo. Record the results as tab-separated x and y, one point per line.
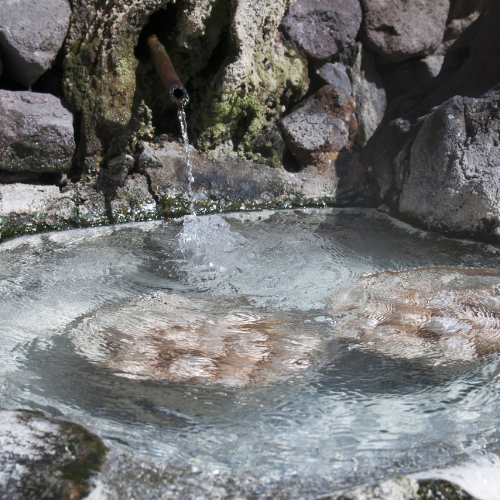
344	417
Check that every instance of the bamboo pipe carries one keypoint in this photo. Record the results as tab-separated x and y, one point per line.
166	72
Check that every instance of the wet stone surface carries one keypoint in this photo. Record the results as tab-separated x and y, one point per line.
193	339
42	457
440	315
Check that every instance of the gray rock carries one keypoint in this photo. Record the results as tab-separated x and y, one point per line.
230	183
430	66
31	34
133	201
42	457
119	167
28	198
320	127
335	74
36	133
367	89
322	27
454	116
399	30
399	488
453	181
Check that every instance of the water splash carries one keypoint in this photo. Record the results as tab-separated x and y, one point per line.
182	120
208	243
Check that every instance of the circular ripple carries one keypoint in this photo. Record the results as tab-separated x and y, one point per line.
439	314
192	339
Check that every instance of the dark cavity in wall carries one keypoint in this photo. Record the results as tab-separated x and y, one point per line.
197	62
149	88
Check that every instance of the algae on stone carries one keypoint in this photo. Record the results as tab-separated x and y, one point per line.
239	71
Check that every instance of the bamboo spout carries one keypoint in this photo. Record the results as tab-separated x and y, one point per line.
166	72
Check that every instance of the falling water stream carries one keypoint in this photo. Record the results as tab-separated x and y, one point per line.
181	114
290	353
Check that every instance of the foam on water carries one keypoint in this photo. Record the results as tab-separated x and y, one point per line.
479	476
82	337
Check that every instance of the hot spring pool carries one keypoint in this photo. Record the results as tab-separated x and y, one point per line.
300	352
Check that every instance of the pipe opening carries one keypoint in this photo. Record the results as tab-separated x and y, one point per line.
196	57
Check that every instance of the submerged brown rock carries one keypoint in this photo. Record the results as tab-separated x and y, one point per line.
192	339
438	314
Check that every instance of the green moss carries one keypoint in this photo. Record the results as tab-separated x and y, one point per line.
89	454
66	472
441	490
247	116
179	205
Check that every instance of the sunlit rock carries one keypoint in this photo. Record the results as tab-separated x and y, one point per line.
241	70
31	34
36	133
437	314
198	339
398	30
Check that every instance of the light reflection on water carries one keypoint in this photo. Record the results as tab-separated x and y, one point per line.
350	415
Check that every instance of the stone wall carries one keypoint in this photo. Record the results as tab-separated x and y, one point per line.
301	86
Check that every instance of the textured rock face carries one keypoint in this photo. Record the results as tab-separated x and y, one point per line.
36	133
42	457
442	171
31	34
238	84
335	74
27	198
398	30
367	90
442	138
320	127
461	195
321	28
227	183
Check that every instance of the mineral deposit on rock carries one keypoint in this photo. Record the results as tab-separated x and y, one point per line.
320	126
229	182
398	30
321	28
367	89
31	35
27	198
241	69
36	133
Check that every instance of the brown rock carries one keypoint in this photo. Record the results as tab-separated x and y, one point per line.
182	339
399	30
320	126
436	314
